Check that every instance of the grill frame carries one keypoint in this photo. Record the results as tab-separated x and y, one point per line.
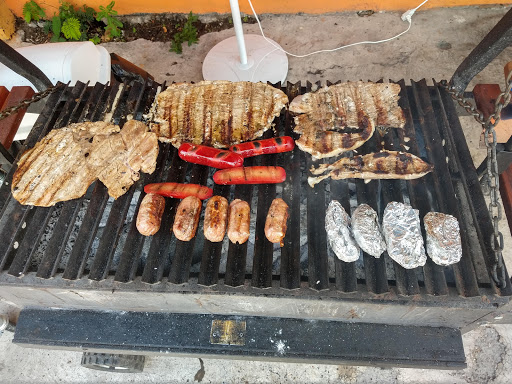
425	106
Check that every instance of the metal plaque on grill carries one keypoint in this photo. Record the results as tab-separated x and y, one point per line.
227	332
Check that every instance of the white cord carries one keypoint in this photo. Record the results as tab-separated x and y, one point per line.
407	16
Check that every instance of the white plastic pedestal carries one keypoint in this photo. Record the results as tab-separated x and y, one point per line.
264	61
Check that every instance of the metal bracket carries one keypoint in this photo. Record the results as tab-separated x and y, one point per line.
24	67
499	38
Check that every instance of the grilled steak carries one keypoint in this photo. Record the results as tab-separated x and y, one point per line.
63	164
216	113
344	116
380	165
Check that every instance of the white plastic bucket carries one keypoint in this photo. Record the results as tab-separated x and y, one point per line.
70	61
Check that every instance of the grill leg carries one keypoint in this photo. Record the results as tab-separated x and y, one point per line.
491	46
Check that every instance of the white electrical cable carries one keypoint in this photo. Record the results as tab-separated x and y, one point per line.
406	16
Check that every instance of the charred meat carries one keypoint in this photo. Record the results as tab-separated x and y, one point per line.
216	113
380	165
344	116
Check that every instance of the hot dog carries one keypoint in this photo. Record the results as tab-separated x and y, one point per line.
212	157
250	175
276	223
179	190
216	218
150	213
263	147
239	221
187	218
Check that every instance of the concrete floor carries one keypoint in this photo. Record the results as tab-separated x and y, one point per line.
434	47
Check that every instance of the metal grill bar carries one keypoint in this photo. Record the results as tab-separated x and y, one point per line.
112	231
132	249
451	188
464	272
212	252
13	215
236	260
476	202
374	268
263	249
290	253
434	278
36	226
318	267
56	246
182	258
161	241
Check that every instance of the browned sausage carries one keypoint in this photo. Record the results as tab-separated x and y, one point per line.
276	223
150	213
239	221
216	218
187	218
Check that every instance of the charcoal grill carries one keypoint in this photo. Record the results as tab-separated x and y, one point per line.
88	254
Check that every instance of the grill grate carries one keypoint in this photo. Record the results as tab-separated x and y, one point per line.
95	237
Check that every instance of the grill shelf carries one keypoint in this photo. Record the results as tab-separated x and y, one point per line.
95	239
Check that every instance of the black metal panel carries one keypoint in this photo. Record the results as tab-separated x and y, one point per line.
281	339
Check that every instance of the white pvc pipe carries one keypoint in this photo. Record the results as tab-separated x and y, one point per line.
237	23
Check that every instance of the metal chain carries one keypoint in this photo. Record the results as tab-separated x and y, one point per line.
493	176
25	103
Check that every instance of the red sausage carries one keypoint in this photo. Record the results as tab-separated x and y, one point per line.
250	175
179	190
264	147
212	157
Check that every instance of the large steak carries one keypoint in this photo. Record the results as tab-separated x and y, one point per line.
216	113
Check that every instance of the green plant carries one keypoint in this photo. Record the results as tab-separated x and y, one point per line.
112	29
70	23
32	11
187	34
95	39
245	19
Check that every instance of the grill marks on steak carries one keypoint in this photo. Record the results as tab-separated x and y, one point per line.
216	113
380	165
343	117
68	160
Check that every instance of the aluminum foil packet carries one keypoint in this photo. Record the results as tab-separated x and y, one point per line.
339	233
366	230
443	238
402	231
